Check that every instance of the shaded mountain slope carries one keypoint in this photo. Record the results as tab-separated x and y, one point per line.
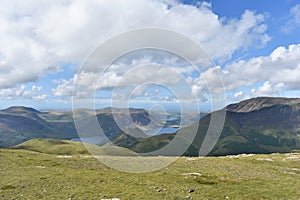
19	124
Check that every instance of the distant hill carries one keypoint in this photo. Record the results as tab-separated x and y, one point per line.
66	147
259	125
20	110
19	124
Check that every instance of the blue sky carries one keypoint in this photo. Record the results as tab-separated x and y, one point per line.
254	44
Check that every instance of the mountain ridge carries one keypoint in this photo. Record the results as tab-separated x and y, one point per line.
258	103
258	125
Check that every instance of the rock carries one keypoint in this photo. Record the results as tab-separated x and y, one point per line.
191	190
158	190
111	199
100	180
192	174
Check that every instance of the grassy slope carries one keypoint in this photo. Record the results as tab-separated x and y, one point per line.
66	147
32	175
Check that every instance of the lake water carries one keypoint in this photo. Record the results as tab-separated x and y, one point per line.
161	131
100	140
90	140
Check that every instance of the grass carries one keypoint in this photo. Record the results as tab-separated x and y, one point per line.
66	147
33	175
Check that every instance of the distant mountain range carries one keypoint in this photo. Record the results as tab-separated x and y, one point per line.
258	125
19	124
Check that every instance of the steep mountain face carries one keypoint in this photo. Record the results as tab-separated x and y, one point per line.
260	125
263	129
261	102
267	130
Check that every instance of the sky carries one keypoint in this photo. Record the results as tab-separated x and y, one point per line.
253	44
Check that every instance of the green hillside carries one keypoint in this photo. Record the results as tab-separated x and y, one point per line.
66	147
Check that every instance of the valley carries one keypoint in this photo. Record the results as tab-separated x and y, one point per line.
260	125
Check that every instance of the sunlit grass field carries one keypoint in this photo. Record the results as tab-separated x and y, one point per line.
33	175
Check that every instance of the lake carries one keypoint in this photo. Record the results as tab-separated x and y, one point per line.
101	140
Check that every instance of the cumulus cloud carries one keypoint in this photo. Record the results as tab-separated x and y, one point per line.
275	73
63	88
267	89
282	66
21	92
88	82
263	76
44	35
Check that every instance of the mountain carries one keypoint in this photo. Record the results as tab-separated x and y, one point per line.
259	125
261	102
20	110
19	124
269	125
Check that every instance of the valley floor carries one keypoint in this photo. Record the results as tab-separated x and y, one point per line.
31	175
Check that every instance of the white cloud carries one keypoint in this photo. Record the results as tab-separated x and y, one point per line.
238	94
295	11
293	21
88	82
267	89
20	92
263	76
64	88
281	67
40	36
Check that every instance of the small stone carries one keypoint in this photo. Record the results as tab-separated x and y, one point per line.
100	180
191	190
158	190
